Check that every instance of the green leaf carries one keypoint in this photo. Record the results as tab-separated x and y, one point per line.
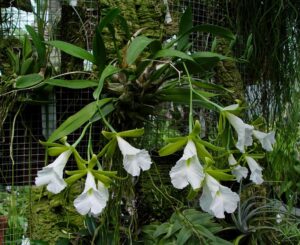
108	18
26	66
27	48
172	147
107	72
29	80
165	53
39	44
73	50
136	47
99	50
77	120
186	23
162	229
207	57
213	29
132	133
14	60
184	235
72	84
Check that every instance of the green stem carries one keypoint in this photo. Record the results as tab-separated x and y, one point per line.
191	100
82	134
104	119
192	90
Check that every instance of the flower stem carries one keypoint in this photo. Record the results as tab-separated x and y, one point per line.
82	134
192	90
191	99
104	119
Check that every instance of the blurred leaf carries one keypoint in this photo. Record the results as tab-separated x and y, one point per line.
107	72
73	84
78	119
136	47
165	53
99	50
39	44
26	66
186	23
108	18
29	80
183	236
27	48
73	50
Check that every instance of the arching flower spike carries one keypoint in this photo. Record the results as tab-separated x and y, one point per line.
188	169
133	159
52	175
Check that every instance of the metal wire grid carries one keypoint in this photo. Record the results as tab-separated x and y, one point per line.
29	155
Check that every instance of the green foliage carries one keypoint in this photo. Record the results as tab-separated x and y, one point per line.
78	119
185	227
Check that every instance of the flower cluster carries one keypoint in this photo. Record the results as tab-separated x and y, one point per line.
216	198
95	195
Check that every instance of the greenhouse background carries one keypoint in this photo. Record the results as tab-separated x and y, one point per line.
264	75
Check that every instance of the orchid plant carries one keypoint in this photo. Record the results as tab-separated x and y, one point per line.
126	92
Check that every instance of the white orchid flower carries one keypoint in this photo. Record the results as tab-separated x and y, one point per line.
52	175
92	200
238	171
188	169
243	130
266	139
256	171
217	199
134	159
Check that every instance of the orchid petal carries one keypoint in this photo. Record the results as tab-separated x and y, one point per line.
266	139
134	159
188	169
52	175
256	170
92	200
240	172
243	130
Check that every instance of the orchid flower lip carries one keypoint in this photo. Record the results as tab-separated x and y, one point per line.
93	199
217	199
188	169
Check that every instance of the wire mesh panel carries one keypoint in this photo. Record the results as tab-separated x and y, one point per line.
21	154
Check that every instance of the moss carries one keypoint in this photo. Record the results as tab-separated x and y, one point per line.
227	73
54	216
